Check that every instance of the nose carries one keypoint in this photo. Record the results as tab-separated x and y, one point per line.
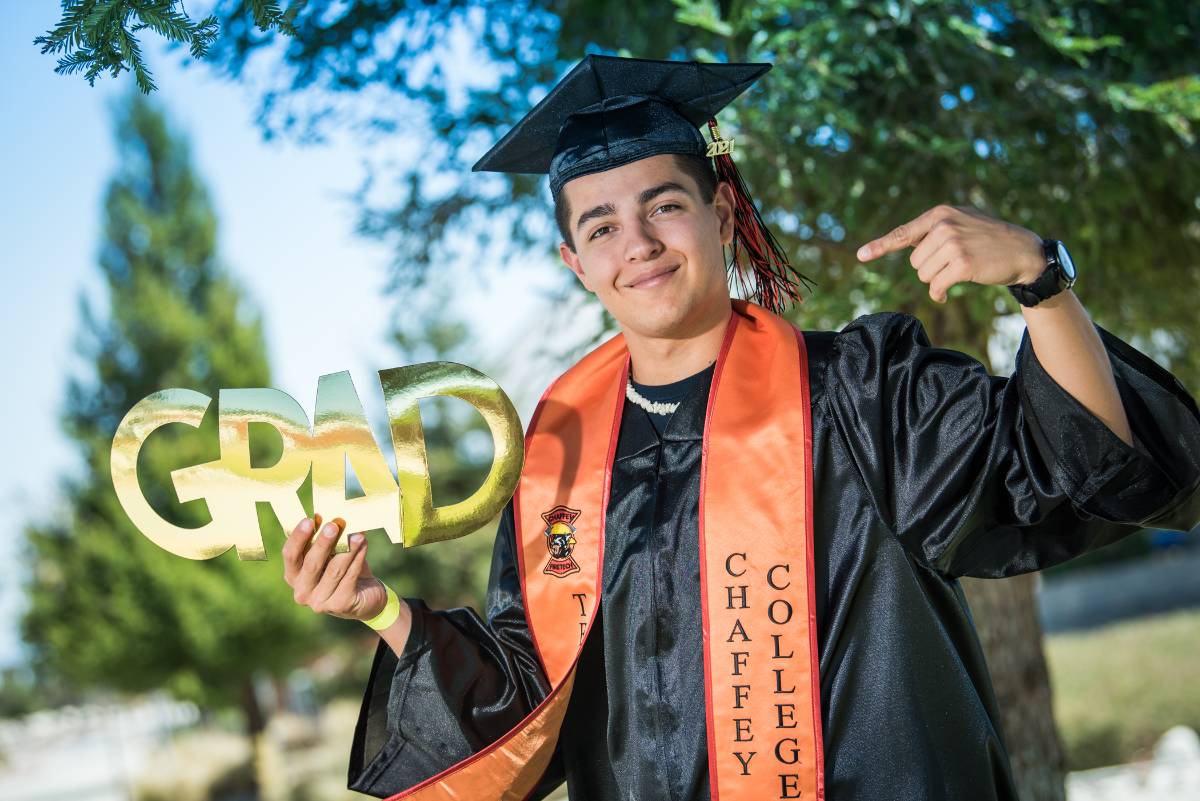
641	244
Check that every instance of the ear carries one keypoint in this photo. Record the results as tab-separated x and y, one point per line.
571	259
723	205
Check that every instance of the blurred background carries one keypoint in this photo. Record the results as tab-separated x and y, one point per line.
282	190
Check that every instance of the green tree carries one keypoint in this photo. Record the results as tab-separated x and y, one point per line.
1075	118
108	608
18	694
95	35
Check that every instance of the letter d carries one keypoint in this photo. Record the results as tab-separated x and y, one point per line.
403	388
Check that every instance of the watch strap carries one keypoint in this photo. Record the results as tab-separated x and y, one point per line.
1046	285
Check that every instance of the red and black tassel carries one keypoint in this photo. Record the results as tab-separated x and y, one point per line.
757	264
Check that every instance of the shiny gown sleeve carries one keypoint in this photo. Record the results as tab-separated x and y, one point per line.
980	475
460	684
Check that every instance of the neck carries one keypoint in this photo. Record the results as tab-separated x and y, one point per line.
663	360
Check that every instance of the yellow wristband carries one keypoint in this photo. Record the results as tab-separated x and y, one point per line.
391	611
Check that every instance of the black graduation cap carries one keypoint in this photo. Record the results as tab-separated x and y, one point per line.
609	111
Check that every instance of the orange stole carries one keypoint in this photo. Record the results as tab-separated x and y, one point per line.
762	693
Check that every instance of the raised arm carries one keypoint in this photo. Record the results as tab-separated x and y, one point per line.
980	475
953	245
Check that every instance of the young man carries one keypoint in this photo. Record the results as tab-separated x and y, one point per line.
730	569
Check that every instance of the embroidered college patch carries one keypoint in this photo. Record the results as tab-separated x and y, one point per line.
560	541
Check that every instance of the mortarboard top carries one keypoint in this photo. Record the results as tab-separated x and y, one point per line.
610	111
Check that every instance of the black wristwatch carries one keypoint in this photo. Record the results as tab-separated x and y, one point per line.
1058	275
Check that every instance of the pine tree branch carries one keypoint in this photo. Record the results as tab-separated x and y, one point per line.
97	35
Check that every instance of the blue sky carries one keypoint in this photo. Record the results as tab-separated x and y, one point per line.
286	231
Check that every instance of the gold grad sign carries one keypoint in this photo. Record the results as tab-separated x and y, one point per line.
339	434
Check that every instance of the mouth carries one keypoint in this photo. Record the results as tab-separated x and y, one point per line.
653	278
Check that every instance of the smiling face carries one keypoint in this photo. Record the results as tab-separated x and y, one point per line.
650	248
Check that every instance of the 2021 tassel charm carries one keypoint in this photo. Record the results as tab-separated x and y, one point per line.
758	264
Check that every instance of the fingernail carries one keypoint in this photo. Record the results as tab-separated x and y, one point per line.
355	539
307	525
330	531
863	252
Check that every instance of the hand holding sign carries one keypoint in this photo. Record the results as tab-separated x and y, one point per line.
341	584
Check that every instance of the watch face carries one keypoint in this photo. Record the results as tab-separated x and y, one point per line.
1064	258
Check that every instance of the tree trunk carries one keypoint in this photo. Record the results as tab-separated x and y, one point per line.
282	695
256	726
1006	616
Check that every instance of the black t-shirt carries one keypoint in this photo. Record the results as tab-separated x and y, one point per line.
670	393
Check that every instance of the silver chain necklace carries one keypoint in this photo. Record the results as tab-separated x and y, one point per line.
654	407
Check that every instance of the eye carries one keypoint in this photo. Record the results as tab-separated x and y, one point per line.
667	207
602	229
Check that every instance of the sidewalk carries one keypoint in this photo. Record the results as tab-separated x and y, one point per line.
1173	774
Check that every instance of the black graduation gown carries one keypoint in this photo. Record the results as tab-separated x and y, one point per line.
926	468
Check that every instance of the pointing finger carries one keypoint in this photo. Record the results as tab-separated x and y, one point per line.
902	236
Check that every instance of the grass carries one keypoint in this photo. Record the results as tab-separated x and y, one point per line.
1117	689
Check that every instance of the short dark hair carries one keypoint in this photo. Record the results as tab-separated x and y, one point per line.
700	169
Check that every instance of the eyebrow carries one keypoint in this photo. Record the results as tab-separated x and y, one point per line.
604	209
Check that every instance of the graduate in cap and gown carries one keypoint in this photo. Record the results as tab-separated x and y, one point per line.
730	567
